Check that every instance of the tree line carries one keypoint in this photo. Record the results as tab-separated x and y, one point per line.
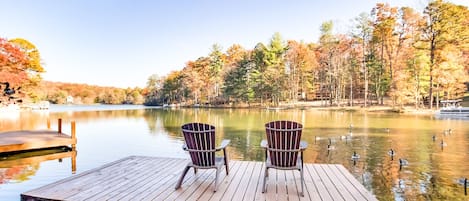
21	81
392	53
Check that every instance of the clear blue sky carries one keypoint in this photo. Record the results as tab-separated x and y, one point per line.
122	42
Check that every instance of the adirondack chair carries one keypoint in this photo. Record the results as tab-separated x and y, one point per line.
200	143
283	148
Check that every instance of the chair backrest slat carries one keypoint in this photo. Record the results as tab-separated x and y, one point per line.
282	138
200	137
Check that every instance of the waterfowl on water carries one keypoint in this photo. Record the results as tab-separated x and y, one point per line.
355	156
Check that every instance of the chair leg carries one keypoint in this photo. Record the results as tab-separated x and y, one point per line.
216	180
178	185
226	161
266	174
302	182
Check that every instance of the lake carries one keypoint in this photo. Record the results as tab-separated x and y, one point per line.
435	152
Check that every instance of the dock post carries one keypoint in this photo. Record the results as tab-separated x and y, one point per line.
74	161
60	126
73	133
74	154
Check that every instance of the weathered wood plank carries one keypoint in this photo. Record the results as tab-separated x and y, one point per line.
338	182
355	183
346	185
142	174
252	187
202	177
281	185
235	182
191	181
109	183
72	185
151	178
294	184
331	188
225	184
241	189
322	191
163	184
311	190
271	189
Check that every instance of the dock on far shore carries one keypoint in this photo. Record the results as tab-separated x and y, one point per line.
24	140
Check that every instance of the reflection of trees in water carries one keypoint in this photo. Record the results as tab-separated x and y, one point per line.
17	173
89	116
23	120
244	127
30	120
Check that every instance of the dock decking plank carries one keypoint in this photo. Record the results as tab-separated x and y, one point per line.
236	182
355	183
294	184
127	186
204	180
243	186
235	171
158	187
281	185
328	183
75	183
252	186
318	182
338	184
152	178
113	181
345	182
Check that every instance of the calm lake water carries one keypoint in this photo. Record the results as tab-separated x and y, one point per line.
108	133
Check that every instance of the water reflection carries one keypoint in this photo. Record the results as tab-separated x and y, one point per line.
430	170
20	166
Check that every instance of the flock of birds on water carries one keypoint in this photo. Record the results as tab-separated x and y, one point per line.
402	161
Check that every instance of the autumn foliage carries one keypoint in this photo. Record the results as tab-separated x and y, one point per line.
392	55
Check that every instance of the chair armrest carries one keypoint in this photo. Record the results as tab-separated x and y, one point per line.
264	144
223	145
303	145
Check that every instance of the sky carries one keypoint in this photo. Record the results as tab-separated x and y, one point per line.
121	43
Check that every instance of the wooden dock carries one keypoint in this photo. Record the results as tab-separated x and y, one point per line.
151	178
30	140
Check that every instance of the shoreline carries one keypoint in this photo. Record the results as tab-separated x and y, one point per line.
373	108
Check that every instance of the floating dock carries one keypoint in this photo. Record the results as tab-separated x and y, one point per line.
24	140
152	178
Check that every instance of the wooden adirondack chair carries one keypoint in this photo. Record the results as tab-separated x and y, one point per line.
200	143
284	148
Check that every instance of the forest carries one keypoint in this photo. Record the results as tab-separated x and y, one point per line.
398	54
391	55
